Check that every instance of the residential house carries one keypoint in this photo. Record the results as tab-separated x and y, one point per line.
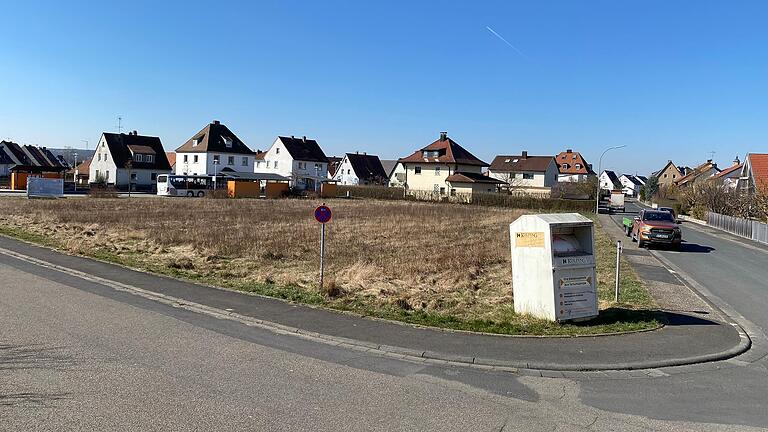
212	149
668	175
333	165
427	169
572	167
464	185
754	173
524	173
396	172
300	159
609	181
630	185
699	174
730	176
360	169
82	172
23	161
128	159
171	160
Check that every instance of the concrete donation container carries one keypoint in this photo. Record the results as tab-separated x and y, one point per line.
553	266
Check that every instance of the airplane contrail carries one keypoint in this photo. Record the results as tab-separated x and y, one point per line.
505	41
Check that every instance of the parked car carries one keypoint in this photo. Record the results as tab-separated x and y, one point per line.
656	227
671	211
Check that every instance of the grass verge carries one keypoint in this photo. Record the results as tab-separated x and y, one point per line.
471	292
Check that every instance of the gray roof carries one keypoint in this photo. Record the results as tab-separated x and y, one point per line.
212	139
303	149
388	165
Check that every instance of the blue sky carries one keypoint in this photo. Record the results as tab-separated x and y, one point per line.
670	79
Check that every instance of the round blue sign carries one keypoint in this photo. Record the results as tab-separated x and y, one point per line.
323	214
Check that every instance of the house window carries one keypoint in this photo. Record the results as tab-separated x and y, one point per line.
245	161
216	159
275	164
665	176
138	158
673	176
258	164
186	158
442	191
578	166
148	158
230	160
349	171
106	175
437	170
527	176
267	164
195	142
417	170
453	192
277	150
133	176
153	176
194	158
566	166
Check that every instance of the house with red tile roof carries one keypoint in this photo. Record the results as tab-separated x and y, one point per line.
754	173
572	167
699	174
445	168
730	176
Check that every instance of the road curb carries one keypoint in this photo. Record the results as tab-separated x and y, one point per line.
423	356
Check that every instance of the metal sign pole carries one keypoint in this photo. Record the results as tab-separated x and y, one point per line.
618	268
322	253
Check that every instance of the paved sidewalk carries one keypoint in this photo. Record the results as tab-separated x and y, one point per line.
686	339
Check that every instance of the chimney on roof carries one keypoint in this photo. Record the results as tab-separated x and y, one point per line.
569	151
135	133
304	138
737	161
525	154
443	136
216	122
709	160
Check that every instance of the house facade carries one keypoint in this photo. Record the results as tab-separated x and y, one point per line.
360	169
427	169
630	185
609	181
699	174
524	172
572	167
669	174
754	173
128	159
396	174
212	149
300	159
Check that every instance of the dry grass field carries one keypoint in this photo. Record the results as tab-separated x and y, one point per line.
420	262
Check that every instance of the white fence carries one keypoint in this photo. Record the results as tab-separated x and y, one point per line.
746	228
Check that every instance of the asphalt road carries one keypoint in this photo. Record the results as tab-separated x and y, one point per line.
78	356
735	271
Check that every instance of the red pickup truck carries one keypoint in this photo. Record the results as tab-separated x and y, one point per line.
656	227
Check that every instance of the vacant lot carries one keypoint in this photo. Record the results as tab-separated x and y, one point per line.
429	263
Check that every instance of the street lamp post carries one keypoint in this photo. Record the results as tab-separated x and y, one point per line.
216	163
599	172
74	172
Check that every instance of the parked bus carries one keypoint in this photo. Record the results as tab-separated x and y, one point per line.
184	185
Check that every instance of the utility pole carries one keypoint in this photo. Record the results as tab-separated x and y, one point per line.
119	124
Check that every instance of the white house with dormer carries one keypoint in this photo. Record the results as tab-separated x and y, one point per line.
300	159
213	149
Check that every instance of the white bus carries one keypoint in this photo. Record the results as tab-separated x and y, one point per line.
184	185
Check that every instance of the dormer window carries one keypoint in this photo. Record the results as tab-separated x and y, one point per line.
148	158
506	160
195	142
515	160
566	166
227	142
138	158
578	166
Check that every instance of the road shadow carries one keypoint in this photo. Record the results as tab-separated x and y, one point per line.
623	315
31	399
695	248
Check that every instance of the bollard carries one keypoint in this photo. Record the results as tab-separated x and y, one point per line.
618	269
